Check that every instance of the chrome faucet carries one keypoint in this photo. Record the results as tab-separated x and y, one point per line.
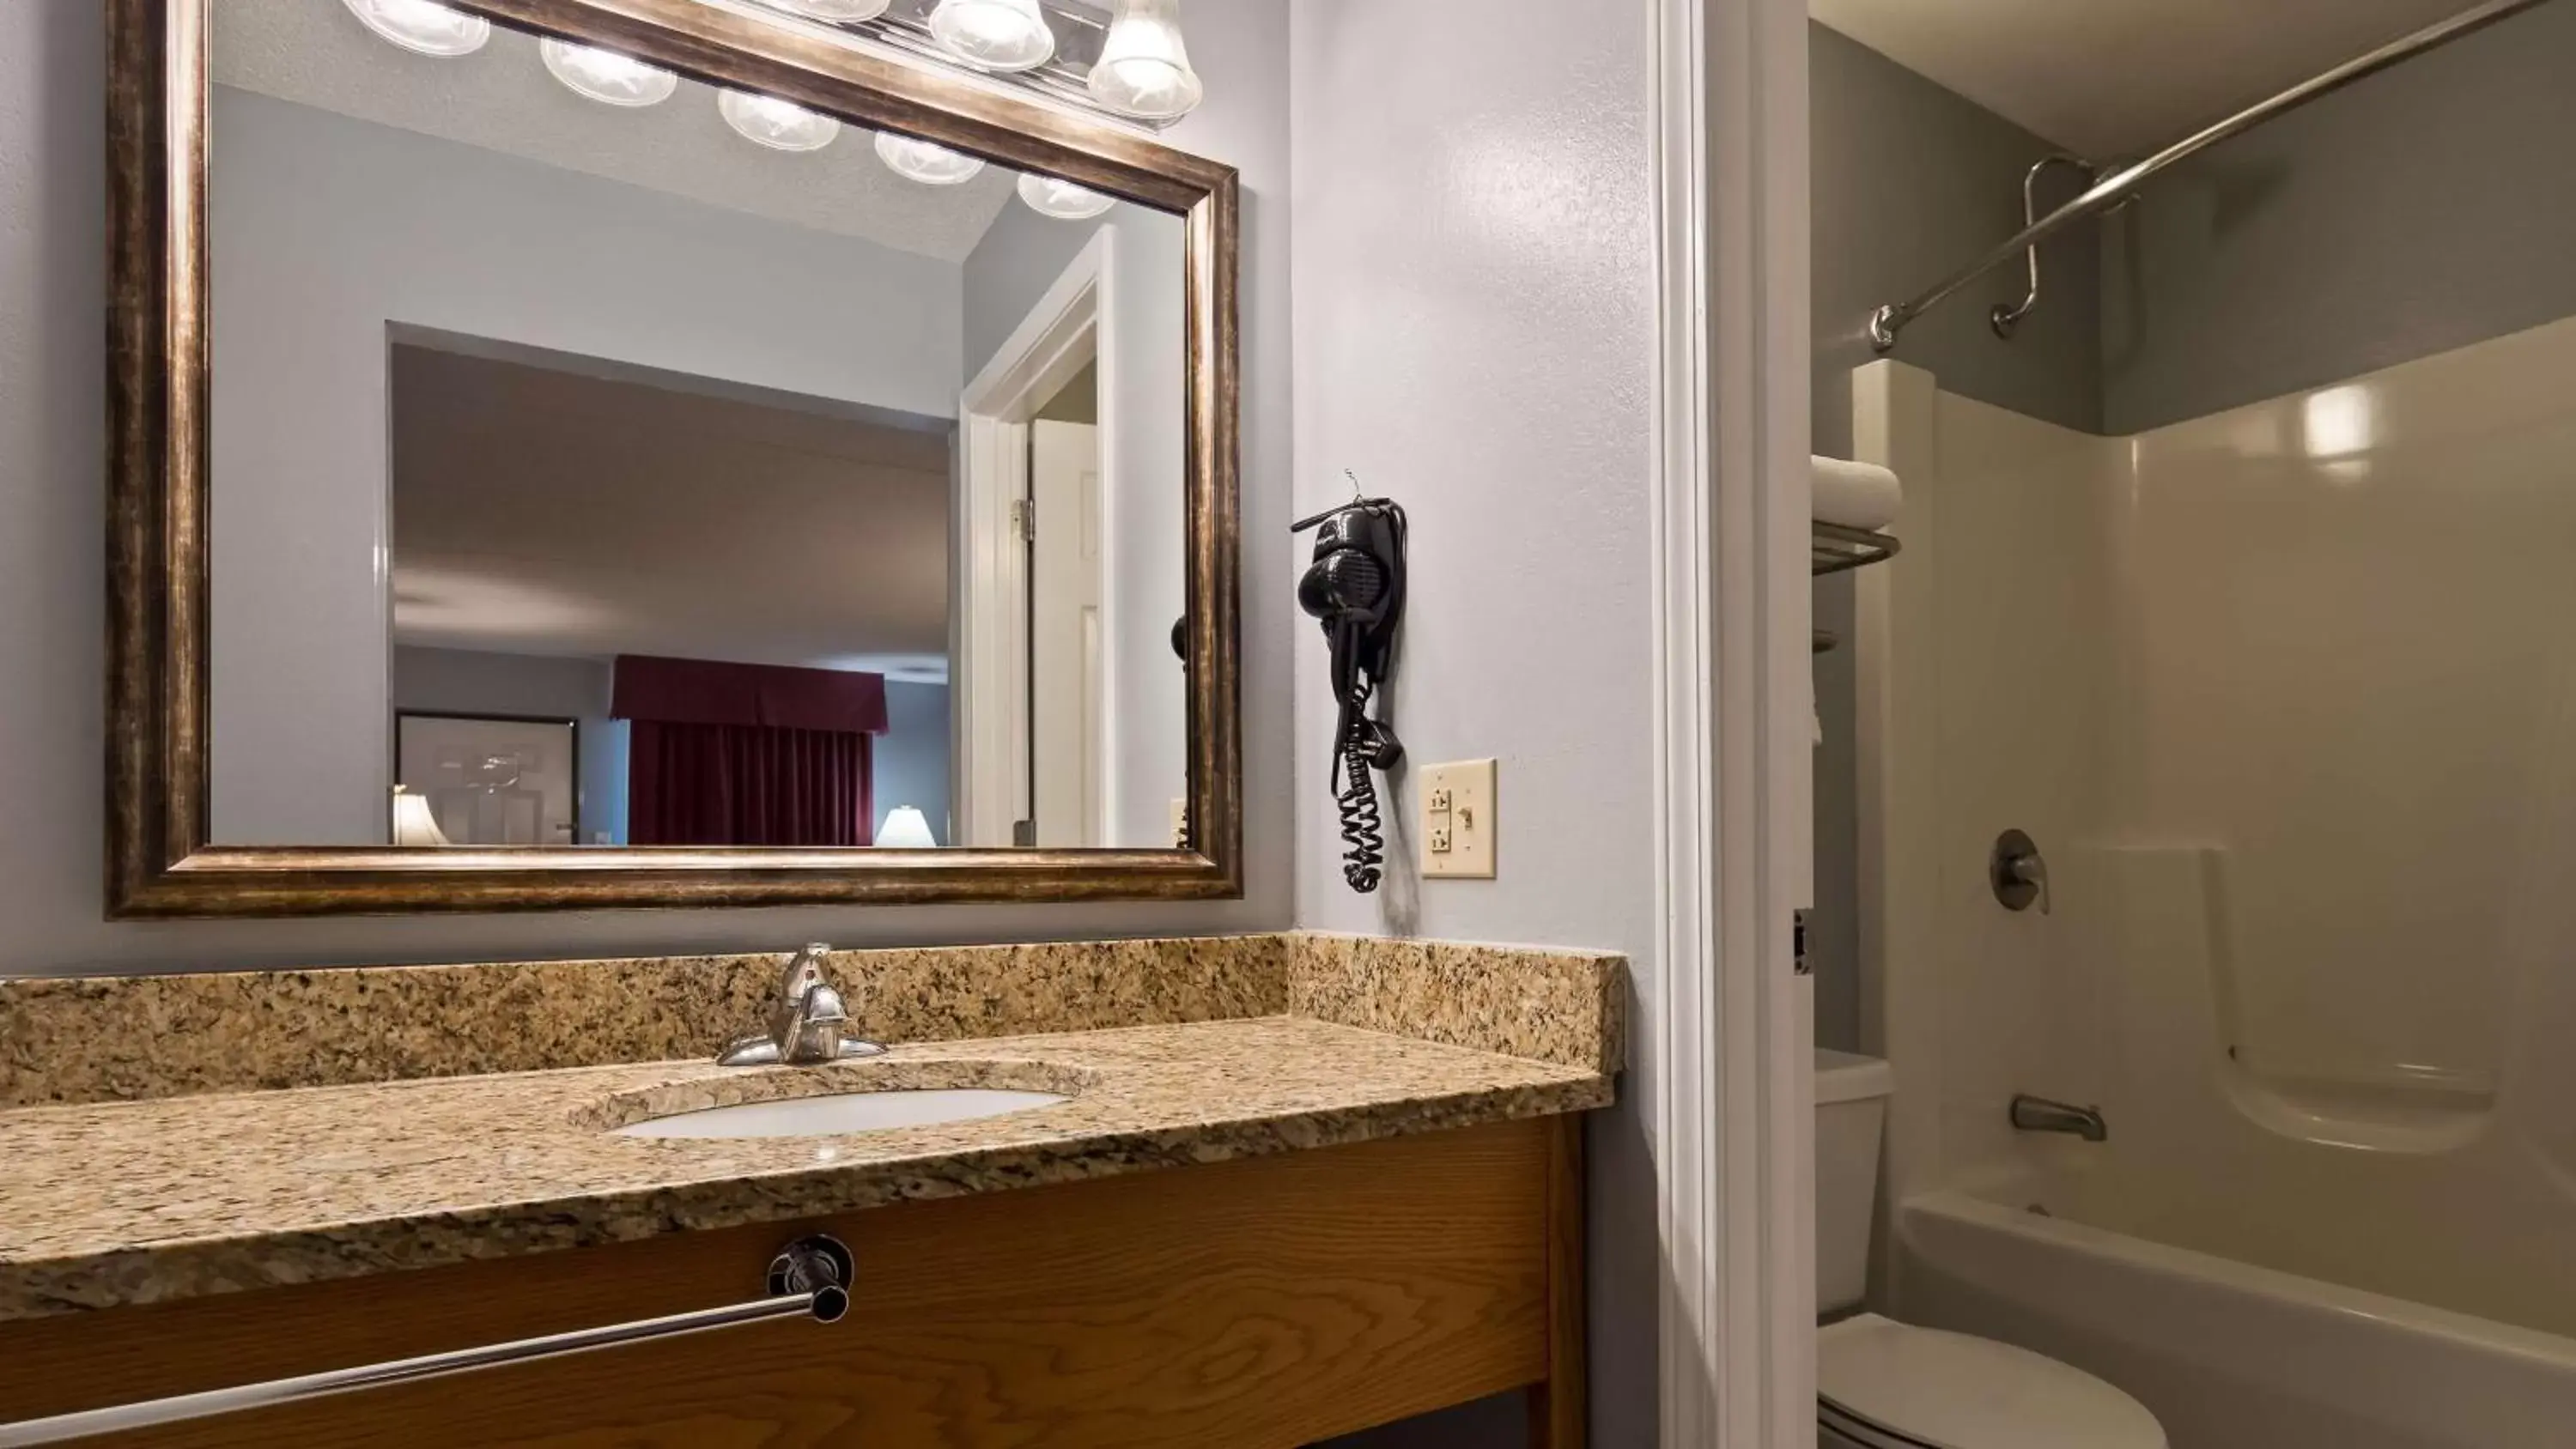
808	1022
2039	1114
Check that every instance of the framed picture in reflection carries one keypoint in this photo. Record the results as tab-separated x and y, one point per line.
493	779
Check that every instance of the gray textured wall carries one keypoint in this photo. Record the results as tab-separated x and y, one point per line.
1910	182
1475	300
2426	208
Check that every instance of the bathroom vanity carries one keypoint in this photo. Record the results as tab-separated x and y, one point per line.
1294	1186
718	451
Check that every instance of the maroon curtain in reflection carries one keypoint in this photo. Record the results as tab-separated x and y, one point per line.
748	754
694	784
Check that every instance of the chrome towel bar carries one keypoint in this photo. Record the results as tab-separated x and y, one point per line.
810	1278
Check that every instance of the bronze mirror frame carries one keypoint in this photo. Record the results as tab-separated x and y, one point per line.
160	861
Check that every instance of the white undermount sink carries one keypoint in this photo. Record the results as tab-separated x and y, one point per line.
843	1112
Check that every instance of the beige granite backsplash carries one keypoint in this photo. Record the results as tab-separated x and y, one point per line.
1568	1007
99	1039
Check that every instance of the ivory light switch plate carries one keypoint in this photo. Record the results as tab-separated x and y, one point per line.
1457	836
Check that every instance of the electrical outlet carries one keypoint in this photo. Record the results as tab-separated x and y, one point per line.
1458	820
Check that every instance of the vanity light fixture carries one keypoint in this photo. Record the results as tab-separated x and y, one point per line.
604	75
1144	69
1000	35
423	27
1050	196
779	125
836	12
925	162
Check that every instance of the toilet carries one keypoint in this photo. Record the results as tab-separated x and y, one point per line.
1881	1384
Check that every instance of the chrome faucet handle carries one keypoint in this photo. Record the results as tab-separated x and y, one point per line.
815	1035
808	1021
796	981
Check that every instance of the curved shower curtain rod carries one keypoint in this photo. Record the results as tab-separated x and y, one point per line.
1890	320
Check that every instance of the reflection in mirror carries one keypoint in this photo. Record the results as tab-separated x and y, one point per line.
595	463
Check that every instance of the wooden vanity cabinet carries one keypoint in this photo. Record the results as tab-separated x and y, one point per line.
1273	1301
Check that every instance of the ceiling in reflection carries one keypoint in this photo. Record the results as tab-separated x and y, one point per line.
314	52
539	510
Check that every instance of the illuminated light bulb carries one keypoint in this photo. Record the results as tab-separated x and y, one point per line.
1144	69
1002	35
838	12
922	161
604	75
779	125
423	27
1051	196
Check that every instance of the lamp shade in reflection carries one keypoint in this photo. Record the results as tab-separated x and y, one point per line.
1062	200
779	125
906	828
413	824
926	162
423	27
1002	35
604	75
1144	69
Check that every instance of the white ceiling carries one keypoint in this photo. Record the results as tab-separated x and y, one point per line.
316	53
539	510
2110	79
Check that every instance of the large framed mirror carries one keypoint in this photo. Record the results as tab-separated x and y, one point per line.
654	453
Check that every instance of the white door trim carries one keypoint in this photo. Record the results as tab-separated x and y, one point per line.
1731	1058
1068	329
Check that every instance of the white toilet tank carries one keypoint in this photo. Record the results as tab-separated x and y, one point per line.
1851	1111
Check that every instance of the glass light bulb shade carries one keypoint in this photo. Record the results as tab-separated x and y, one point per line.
922	161
1144	68
838	12
1002	35
1052	196
604	75
779	125
906	828
423	27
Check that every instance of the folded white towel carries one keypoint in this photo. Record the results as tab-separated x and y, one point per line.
1855	495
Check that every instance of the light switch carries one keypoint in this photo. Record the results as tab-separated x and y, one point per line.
1457	832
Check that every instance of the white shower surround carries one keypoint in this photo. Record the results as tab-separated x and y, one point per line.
2184	662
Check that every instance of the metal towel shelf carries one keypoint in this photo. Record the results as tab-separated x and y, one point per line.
810	1278
1834	548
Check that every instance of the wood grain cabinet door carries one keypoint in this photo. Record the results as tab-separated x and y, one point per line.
1269	1302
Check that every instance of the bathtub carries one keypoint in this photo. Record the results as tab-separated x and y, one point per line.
2228	1355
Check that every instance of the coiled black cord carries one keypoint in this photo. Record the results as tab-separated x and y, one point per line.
1363	832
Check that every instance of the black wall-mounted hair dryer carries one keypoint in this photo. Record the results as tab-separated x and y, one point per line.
1355	587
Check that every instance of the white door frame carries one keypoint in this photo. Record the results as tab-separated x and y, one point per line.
1732	1061
1068	329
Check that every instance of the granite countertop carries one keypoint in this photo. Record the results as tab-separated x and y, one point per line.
139	1201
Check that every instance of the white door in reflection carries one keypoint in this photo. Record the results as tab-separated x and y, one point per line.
1065	687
